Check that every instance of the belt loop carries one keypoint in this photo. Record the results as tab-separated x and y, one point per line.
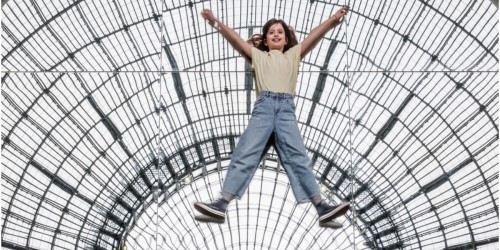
276	95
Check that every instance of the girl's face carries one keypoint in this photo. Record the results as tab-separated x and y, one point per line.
276	38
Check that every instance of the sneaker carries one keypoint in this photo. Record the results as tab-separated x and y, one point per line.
210	219
217	209
330	224
328	213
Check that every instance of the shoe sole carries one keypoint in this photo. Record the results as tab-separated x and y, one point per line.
337	212
330	224
208	219
206	210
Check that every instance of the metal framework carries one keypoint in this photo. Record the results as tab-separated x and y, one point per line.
117	115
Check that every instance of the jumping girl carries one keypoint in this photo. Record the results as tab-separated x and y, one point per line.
275	57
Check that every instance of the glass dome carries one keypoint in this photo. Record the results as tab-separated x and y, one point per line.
118	115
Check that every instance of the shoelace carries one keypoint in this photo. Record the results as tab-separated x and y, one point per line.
321	204
220	200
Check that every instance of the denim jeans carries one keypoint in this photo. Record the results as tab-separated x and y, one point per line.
273	121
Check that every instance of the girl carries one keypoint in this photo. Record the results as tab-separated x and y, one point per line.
275	59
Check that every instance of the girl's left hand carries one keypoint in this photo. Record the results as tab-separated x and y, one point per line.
339	15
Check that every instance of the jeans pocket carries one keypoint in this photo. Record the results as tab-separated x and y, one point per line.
291	104
259	100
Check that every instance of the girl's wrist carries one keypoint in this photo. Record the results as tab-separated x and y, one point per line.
216	25
335	20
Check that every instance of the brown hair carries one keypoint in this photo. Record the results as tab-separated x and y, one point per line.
257	40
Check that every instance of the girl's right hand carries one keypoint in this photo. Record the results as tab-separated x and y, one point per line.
208	16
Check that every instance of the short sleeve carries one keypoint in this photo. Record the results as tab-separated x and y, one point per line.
293	55
294	52
256	56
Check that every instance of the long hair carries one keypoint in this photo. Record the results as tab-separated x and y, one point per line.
258	40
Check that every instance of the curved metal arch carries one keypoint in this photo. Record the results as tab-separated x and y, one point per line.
41	200
172	156
6	139
406	37
130	184
124	234
150	190
71	194
462	28
29	162
435	111
421	187
98	41
472	154
71	55
156	17
176	179
19	45
364	187
421	100
451	184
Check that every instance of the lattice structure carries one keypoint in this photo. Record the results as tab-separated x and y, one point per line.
117	115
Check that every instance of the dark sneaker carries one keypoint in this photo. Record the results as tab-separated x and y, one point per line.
330	224
210	219
328	213
217	209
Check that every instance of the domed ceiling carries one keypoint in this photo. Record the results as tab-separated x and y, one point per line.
118	115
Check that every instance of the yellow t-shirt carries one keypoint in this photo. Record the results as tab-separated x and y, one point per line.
276	71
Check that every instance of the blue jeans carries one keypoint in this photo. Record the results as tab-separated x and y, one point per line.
273	121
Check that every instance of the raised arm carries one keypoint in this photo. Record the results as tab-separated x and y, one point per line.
320	31
229	34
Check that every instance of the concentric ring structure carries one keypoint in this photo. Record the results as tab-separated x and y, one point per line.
118	115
